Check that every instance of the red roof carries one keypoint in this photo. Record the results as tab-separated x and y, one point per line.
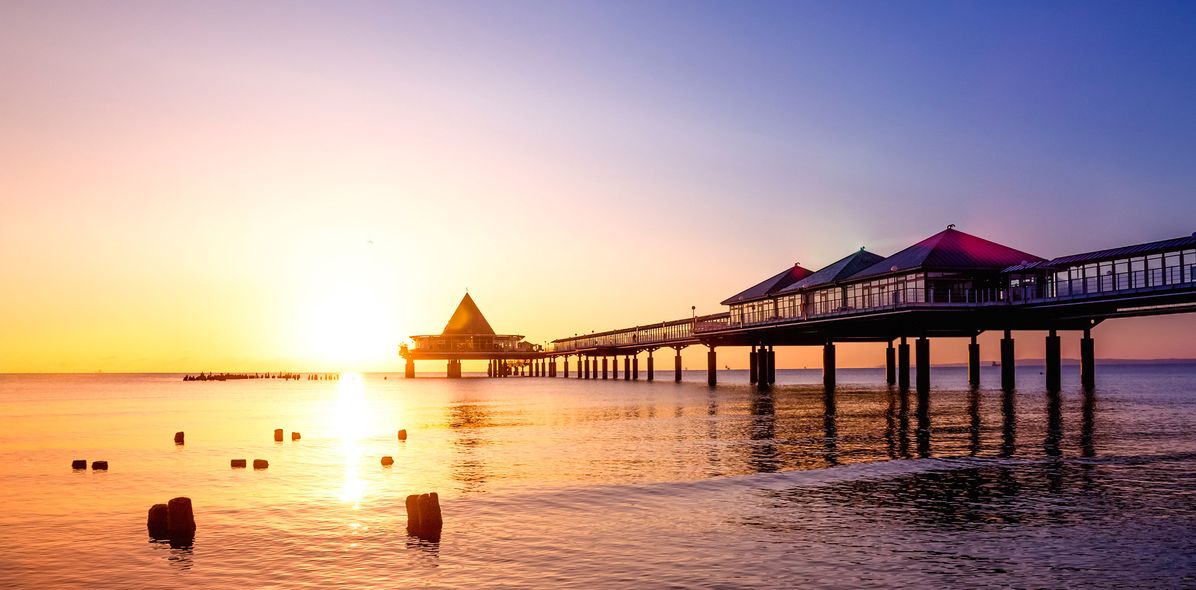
949	249
770	285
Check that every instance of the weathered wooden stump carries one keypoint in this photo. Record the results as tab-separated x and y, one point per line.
388	461
178	438
403	434
79	464
99	465
423	516
238	463
157	522
277	435
295	436
260	464
180	521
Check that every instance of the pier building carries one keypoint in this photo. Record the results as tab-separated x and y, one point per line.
468	336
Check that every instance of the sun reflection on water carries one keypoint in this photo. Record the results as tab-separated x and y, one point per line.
352	413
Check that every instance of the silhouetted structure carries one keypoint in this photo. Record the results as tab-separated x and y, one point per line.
468	336
951	284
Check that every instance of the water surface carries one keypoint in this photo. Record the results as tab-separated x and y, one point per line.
567	483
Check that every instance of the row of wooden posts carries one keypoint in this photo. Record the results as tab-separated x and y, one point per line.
762	364
174	521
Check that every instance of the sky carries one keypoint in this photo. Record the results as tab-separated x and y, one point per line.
300	185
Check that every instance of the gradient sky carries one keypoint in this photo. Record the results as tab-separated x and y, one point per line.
266	186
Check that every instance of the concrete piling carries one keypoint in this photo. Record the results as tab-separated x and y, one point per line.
156	522
711	368
387	461
261	464
178	438
828	366
277	435
180	521
1007	362
295	436
238	463
753	366
890	364
922	352
424	519
79	464
1087	360
99	466
974	363
403	434
903	365
1053	362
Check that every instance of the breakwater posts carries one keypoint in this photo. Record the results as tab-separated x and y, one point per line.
424	519
99	466
178	438
403	434
79	464
277	435
387	461
173	521
238	463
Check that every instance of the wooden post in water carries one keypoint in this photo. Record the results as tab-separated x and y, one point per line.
711	367
753	366
922	352
903	365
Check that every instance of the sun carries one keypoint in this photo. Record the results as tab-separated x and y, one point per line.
346	327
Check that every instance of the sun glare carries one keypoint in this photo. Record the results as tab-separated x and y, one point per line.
352	418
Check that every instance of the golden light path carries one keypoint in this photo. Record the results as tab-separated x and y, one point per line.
352	417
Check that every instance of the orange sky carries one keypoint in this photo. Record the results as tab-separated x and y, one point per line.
235	187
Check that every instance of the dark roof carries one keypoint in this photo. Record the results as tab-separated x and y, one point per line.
770	285
468	319
949	249
841	269
1122	252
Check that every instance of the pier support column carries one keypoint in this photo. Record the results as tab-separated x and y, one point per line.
974	363
635	366
454	369
828	366
615	366
566	366
1007	362
677	366
760	367
651	367
903	365
586	362
890	364
922	364
772	366
605	368
594	360
1053	362
1088	360
753	366
490	368
711	367
409	369
627	368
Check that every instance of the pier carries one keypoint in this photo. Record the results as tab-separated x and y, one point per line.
951	284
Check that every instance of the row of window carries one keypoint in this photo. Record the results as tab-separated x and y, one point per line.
1155	270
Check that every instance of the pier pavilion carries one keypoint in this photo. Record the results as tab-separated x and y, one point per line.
951	284
468	336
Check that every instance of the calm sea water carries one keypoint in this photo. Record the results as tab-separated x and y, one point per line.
566	483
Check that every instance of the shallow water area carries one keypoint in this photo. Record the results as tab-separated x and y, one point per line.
568	483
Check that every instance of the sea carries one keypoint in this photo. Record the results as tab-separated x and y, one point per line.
567	483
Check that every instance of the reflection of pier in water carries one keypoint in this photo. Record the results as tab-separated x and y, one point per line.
878	426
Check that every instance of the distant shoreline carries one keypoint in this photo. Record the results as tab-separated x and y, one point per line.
988	363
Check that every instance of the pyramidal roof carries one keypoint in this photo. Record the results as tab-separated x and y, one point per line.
949	249
468	319
770	285
838	270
